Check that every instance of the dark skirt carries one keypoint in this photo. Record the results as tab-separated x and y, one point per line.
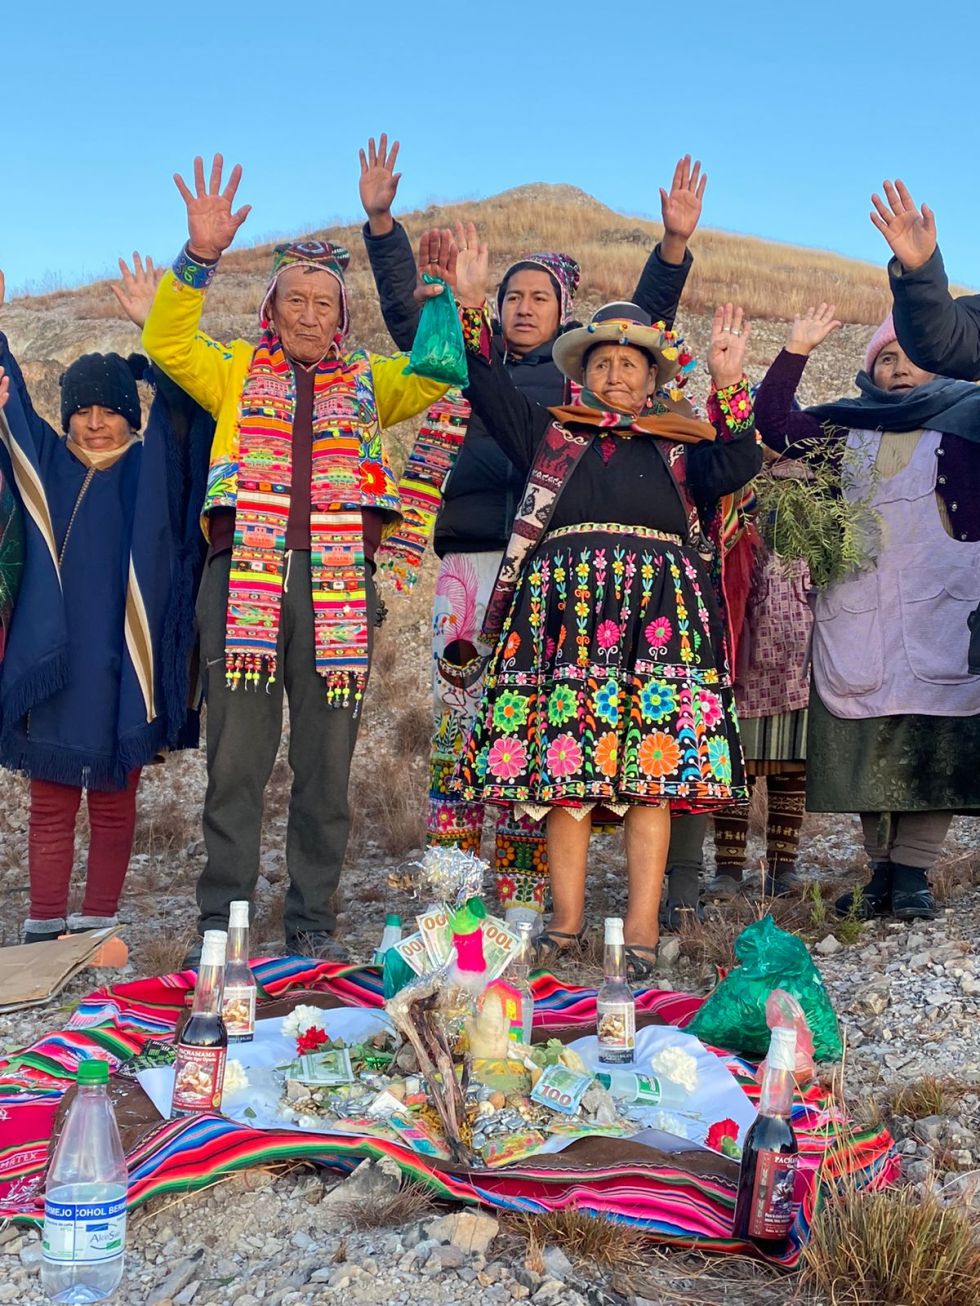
891	763
609	681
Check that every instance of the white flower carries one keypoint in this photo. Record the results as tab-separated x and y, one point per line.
676	1064
300	1019
235	1077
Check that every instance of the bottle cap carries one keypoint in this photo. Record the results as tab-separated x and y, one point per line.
213	948
782	1048
393	919
92	1071
238	915
614	929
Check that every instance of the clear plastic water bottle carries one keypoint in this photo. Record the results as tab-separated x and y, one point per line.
84	1236
519	975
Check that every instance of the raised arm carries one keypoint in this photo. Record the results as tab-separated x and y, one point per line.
721	466
388	247
509	417
938	332
665	273
172	335
16	395
780	423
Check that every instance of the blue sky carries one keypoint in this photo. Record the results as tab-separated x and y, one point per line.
798	112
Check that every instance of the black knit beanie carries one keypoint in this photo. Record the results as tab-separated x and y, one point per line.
104	379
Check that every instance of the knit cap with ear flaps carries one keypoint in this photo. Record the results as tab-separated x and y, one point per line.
562	269
106	380
319	256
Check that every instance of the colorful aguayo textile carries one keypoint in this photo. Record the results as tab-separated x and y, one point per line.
341	466
674	1205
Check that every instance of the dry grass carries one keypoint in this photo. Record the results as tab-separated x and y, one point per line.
162	952
928	1095
895	1247
582	1237
387	1210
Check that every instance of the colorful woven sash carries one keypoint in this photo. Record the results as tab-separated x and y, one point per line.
431	460
255	583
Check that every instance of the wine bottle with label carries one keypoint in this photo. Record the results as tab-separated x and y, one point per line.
238	1003
615	1006
202	1046
766	1205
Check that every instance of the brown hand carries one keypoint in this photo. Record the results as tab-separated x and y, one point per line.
379	183
211	223
137	289
726	354
437	257
812	329
681	207
472	266
4	388
910	233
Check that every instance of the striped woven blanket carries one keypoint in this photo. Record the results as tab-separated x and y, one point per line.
685	1199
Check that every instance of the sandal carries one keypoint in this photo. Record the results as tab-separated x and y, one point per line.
640	961
547	949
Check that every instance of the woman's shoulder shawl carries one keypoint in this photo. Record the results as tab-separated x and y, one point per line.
668	425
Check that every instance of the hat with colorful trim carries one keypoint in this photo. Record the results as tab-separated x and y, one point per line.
622	323
318	256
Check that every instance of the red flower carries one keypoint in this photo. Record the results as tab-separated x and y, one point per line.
313	1038
718	1132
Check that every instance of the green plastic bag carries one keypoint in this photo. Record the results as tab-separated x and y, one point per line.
438	352
734	1016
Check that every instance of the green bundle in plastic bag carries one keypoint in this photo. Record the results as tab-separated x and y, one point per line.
734	1016
438	352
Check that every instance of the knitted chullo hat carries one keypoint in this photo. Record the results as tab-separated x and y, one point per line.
319	256
106	380
563	270
885	335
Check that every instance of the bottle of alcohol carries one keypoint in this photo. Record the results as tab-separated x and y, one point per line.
390	935
85	1197
202	1047
238	1003
615	1007
766	1206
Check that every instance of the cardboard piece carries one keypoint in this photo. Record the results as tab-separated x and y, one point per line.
31	973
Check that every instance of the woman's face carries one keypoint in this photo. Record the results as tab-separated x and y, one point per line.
98	429
894	370
621	375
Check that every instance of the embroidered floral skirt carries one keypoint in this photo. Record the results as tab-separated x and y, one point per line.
608	684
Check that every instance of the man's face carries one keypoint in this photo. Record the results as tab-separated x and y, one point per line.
894	370
306	311
529	311
98	429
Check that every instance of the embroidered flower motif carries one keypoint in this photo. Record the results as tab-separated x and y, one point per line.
607	754
711	710
512	645
720	759
658	632
509	712
506	887
607	702
562	705
507	759
607	635
564	755
310	1040
480	766
373	479
659	754
657	701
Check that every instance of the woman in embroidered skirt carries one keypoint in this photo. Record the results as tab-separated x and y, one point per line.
609	684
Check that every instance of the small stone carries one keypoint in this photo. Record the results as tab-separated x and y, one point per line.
470	1231
929	1129
556	1263
552	1290
301	1240
916	1172
669	950
186	1295
446	1256
829	945
31	1254
178	1278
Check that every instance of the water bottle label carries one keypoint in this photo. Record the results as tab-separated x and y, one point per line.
84	1231
238	1013
616	1028
773	1206
199	1074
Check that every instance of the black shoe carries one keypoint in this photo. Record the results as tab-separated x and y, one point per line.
874	899
912	898
192	957
36	931
782	884
320	944
683	897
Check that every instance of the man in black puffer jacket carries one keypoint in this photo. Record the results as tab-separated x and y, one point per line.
480	498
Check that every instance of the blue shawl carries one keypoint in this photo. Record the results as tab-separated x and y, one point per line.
95	676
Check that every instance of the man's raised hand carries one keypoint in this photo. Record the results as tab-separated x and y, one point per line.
910	233
681	205
137	288
211	223
379	183
472	266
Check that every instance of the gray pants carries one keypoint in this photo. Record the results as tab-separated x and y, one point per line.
243	730
909	838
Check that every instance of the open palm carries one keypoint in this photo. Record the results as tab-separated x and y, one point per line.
681	206
211	221
137	288
379	180
472	266
910	233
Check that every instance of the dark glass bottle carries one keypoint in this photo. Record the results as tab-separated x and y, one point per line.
766	1205
202	1047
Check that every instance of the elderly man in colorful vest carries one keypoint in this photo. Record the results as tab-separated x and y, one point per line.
299	497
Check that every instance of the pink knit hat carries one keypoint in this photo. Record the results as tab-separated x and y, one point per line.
883	336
